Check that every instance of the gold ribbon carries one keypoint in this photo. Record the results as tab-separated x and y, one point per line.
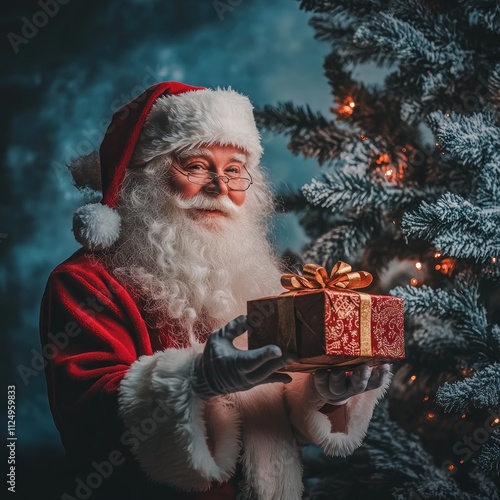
314	278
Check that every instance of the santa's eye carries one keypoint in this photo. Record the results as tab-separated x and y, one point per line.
194	167
233	171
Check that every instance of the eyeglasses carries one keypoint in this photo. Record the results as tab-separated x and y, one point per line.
204	178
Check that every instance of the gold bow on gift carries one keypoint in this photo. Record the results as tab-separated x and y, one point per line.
314	277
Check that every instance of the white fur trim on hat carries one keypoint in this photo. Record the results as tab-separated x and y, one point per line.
188	120
96	226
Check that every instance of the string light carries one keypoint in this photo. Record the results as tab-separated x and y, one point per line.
413	378
362	137
382	159
347	107
414	282
495	422
447	266
426	398
467	371
493	260
462	461
464	415
389	172
431	416
418	265
451	467
437	255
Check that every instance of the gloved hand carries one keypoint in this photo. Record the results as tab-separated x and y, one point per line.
335	387
222	368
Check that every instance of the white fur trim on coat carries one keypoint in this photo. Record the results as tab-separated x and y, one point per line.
271	460
190	119
315	427
195	442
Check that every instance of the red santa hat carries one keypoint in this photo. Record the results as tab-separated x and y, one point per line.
167	117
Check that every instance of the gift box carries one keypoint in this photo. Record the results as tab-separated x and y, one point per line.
326	321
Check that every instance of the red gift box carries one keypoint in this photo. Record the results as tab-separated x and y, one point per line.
327	323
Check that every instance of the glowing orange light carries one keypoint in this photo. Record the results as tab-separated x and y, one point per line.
345	110
389	172
413	378
394	222
414	282
418	265
462	461
437	267
403	149
426	398
431	416
464	415
352	104
447	266
362	137
493	260
496	421
437	255
451	467
383	158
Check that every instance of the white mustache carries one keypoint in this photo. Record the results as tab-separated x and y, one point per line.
201	202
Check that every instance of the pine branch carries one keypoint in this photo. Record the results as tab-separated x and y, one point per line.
323	143
456	227
361	7
473	139
287	118
395	450
390	35
340	243
479	391
460	306
356	194
484	14
489	459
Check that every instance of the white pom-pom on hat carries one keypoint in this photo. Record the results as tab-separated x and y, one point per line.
96	226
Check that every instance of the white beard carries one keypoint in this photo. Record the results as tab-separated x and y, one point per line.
194	274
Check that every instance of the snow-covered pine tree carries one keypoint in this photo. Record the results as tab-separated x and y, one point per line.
411	192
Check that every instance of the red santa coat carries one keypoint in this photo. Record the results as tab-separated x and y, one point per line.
118	389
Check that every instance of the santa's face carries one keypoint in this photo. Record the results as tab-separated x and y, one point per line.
225	161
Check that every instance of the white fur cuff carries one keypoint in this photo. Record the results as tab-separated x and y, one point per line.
191	442
315	427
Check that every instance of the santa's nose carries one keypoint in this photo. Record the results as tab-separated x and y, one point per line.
218	186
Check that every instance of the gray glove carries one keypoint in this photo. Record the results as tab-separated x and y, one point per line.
335	386
222	368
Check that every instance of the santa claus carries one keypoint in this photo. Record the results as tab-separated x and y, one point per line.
154	392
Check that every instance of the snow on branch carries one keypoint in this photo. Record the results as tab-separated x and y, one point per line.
479	391
472	139
456	227
353	192
460	305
